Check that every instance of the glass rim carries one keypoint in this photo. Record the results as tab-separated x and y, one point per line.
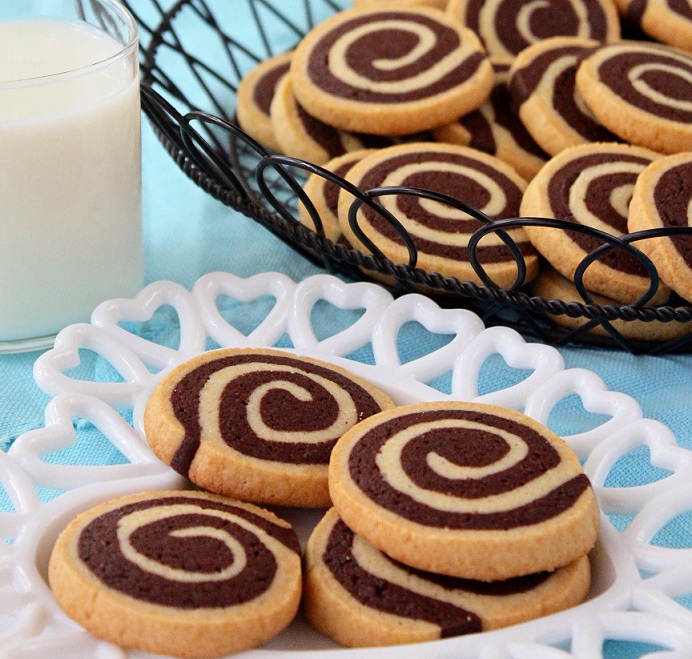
50	78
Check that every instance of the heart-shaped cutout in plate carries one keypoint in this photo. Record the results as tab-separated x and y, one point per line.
110	314
209	288
462	324
595	398
355	296
51	368
652	521
664	454
543	360
59	433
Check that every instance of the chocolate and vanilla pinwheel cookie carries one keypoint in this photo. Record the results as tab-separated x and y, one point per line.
258	425
669	21
440	232
642	92
506	27
183	573
390	71
254	99
663	198
495	128
324	194
542	87
463	489
300	135
591	185
358	596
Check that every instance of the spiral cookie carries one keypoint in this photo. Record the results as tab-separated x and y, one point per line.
441	233
590	185
463	489
669	21
496	129
642	92
390	71
182	573
551	285
325	195
358	596
662	197
542	87
254	98
257	424
301	135
506	27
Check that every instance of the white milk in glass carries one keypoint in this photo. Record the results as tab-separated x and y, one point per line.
70	175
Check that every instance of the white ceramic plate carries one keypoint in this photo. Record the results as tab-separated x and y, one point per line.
622	605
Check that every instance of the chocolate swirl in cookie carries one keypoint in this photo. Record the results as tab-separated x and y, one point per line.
642	92
178	573
672	197
548	72
272	407
389	58
653	79
433	485
463	470
184	552
390	62
439	231
506	27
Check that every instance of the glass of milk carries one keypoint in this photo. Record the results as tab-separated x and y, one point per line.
70	165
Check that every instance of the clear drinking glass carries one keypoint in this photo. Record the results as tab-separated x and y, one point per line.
70	165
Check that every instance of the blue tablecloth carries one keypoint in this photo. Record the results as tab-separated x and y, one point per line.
188	234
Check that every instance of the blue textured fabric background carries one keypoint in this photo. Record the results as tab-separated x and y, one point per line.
188	234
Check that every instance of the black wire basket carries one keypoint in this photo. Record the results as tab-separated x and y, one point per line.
195	52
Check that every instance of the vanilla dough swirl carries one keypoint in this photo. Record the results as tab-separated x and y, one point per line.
485	475
439	231
506	27
178	573
642	92
184	552
374	70
257	425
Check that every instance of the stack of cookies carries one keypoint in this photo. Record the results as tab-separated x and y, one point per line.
447	518
417	89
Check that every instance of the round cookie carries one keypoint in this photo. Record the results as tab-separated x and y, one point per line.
542	88
662	197
300	135
591	185
495	128
464	489
506	27
642	92
359	597
551	285
254	98
183	573
258	425
665	20
324	194
390	71
440	232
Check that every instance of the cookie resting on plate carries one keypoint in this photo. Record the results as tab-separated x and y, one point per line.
184	573
258	425
463	489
